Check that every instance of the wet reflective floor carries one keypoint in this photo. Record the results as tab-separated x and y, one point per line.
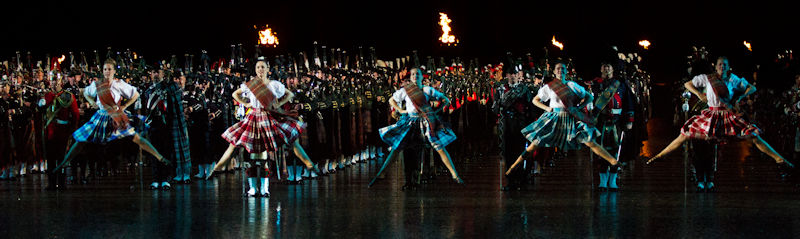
654	202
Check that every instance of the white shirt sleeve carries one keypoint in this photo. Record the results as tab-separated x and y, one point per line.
91	90
399	95
700	81
741	84
434	93
277	88
542	93
578	89
126	90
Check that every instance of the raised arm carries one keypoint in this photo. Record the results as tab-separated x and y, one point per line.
749	91
131	101
396	106
89	99
537	101
237	96
689	86
286	98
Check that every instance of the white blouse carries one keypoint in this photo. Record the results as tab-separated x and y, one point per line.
546	94
119	89
276	87
401	97
734	84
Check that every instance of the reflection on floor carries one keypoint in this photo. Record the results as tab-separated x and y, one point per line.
655	201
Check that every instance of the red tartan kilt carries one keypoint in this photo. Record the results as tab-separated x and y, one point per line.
718	124
260	132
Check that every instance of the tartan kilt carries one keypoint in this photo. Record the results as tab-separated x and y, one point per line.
559	129
100	128
394	134
260	131
718	124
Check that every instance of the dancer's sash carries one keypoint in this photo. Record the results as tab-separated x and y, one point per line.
719	88
421	103
264	96
112	107
567	97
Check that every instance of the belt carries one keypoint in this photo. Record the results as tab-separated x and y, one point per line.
58	121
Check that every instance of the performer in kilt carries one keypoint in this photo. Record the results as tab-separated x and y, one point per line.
564	124
614	107
720	122
61	118
266	127
110	122
420	124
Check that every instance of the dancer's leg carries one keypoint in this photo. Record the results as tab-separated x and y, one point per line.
448	162
600	151
767	149
392	155
146	146
301	154
677	142
528	150
73	151
223	160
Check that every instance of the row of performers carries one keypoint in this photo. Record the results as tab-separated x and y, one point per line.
342	113
563	125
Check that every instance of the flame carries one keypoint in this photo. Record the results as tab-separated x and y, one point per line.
747	44
446	38
558	44
645	44
61	59
135	56
267	37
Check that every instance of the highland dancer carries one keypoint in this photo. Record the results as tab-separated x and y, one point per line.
110	122
419	125
564	124
265	128
720	122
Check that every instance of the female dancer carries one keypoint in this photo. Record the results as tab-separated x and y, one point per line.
110	122
719	122
421	122
563	125
266	127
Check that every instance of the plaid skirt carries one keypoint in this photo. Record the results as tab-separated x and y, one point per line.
394	134
259	131
717	123
100	128
559	129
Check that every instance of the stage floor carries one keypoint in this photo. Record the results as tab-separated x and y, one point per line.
653	202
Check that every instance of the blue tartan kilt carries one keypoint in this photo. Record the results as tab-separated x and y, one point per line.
559	129
394	134
100	128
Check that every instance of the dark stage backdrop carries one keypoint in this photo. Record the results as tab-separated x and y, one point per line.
486	29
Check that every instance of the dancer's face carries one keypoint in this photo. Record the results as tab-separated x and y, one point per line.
109	71
261	70
416	76
722	66
560	71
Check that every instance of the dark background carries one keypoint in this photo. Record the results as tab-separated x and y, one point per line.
486	29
